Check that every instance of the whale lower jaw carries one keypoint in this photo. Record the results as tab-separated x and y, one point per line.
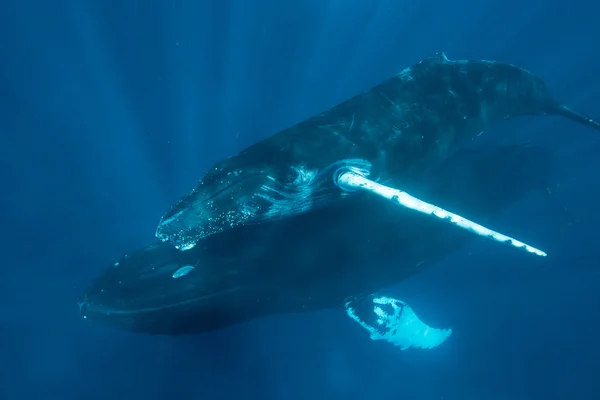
89	308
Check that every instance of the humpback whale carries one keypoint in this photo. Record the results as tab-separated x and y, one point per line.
393	132
342	256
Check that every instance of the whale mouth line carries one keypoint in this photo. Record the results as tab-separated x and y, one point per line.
93	309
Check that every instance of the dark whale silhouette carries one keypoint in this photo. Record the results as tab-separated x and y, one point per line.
394	131
311	261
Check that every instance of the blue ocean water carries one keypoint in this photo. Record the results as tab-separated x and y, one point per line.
110	111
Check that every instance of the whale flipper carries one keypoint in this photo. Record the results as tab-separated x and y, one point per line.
351	180
394	321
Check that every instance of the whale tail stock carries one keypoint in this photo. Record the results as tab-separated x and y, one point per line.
575	116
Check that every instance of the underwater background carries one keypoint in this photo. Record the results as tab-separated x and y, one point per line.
111	110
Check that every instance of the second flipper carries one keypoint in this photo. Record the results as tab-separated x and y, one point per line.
394	321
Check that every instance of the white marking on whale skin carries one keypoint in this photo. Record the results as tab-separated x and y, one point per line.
171	218
337	127
235	173
183	271
405	74
351	181
185	246
395	109
402	328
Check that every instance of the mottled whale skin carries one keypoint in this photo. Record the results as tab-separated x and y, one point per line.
311	261
394	131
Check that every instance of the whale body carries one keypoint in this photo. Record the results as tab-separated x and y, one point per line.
313	260
395	131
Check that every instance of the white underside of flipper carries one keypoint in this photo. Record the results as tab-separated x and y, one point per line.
351	180
395	322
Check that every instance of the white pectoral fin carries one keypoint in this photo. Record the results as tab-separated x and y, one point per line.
394	321
351	180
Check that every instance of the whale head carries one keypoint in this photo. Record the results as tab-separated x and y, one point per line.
228	196
162	290
240	191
